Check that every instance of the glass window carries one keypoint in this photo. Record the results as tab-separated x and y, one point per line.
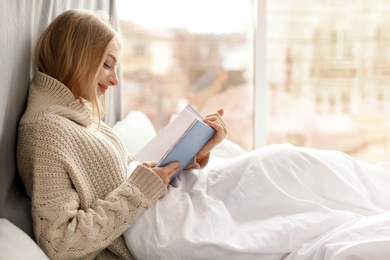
328	75
185	51
326	68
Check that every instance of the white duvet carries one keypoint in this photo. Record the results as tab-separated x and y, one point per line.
277	202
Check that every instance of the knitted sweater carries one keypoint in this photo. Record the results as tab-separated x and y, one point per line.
75	175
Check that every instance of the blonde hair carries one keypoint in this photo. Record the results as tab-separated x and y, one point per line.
72	50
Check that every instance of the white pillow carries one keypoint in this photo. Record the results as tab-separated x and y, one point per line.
135	130
15	244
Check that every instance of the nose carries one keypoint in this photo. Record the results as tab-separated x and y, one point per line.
114	79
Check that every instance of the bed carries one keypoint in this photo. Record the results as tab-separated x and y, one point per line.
338	211
300	203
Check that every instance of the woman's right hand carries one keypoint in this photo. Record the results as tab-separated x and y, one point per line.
166	172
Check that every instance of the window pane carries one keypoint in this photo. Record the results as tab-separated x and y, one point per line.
190	51
329	74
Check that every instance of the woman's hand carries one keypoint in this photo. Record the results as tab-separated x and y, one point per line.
216	122
166	172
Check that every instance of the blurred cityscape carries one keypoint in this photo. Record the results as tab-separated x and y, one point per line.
166	69
328	74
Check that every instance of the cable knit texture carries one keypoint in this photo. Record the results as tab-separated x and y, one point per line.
75	175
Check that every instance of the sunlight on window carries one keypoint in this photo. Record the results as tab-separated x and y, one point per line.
202	16
329	75
327	68
197	52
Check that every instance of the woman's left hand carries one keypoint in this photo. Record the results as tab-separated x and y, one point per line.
216	122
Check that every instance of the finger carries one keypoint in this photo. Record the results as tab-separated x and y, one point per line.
150	164
221	112
213	119
218	126
216	117
153	164
146	164
171	173
173	166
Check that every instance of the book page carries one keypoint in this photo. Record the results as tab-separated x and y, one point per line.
167	137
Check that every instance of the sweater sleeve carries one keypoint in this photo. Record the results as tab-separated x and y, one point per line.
66	225
64	230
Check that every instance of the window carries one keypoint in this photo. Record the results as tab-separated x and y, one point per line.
328	75
185	51
319	71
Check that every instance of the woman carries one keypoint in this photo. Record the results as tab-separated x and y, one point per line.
73	165
271	203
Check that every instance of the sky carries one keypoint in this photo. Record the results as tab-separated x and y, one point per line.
197	16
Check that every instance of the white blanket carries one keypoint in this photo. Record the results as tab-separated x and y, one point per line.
276	202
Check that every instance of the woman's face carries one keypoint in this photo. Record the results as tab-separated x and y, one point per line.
107	75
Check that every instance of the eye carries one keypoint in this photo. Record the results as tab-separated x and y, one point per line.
105	65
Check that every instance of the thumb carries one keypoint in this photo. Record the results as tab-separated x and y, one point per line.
220	112
150	164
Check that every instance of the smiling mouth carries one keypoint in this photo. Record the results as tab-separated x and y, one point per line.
103	87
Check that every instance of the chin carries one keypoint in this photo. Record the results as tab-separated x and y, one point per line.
100	94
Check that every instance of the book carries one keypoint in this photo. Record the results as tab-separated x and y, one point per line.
180	140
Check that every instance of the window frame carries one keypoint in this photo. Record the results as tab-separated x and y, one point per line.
260	69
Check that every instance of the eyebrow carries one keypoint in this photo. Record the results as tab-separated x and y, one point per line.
113	57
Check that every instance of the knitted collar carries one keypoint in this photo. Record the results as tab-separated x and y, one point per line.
51	95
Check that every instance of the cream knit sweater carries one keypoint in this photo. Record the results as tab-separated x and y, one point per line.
76	177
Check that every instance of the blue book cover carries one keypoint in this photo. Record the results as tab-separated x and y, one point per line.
180	140
189	145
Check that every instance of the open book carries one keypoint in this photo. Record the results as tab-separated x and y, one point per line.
180	140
